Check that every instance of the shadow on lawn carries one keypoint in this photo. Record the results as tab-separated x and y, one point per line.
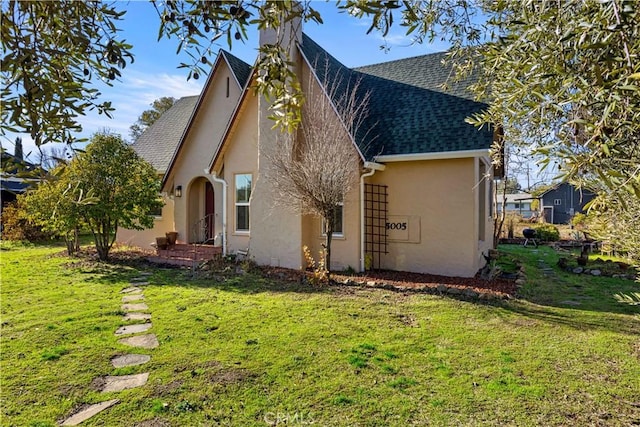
579	320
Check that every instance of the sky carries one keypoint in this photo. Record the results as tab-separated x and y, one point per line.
154	73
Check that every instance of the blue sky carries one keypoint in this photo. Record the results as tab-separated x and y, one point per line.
155	74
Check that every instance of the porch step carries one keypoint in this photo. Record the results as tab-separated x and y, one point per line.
185	255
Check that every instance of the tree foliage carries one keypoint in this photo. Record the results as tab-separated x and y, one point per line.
53	53
562	76
148	117
55	205
106	187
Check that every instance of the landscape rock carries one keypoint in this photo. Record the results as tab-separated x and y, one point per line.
520	282
454	291
596	272
470	293
124	382
89	412
442	288
137	316
133	329
142	341
129	298
129	360
578	270
135	307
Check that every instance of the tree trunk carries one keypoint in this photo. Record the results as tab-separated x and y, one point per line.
327	249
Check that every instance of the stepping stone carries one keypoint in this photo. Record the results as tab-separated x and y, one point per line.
129	360
139	281
569	302
89	412
129	298
135	307
142	341
124	382
131	290
133	329
136	316
145	273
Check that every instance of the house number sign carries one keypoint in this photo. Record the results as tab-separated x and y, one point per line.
396	225
403	228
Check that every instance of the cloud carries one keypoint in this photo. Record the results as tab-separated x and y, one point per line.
135	94
130	97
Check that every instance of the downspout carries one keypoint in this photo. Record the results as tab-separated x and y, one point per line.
373	167
224	208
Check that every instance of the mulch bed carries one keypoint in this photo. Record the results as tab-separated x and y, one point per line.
405	281
393	280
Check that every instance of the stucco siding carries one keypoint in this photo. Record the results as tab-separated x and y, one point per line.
198	148
438	198
144	238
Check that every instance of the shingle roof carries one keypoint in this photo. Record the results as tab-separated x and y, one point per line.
240	69
409	111
158	142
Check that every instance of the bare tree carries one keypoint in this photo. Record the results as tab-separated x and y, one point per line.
314	169
53	156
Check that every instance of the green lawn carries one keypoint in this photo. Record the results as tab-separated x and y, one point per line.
243	350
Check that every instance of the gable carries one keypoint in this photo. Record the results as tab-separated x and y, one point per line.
218	98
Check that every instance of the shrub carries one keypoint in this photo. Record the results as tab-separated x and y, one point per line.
579	220
547	233
17	226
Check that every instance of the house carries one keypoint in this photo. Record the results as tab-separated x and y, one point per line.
422	203
16	176
516	203
562	201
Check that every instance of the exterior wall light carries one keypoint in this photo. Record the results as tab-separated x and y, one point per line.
178	191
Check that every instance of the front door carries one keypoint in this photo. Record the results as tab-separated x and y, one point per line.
209	212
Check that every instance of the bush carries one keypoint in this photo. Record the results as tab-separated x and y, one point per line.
579	220
547	233
16	225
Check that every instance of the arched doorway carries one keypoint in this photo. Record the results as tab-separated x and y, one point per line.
209	212
201	211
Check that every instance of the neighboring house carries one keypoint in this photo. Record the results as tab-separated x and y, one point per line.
517	203
560	203
422	204
16	176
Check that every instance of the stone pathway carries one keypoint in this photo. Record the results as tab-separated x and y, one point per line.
134	311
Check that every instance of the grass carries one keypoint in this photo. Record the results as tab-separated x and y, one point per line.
250	351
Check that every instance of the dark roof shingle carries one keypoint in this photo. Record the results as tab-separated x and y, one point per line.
240	69
159	141
409	111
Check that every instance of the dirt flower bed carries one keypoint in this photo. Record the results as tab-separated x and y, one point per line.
473	287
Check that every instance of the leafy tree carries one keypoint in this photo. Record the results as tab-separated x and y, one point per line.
55	205
563	77
106	187
124	185
53	53
148	117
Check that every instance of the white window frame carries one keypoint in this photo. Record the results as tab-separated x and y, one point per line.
339	234
242	203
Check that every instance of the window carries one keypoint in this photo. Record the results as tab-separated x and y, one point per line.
243	193
337	222
158	211
557	202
